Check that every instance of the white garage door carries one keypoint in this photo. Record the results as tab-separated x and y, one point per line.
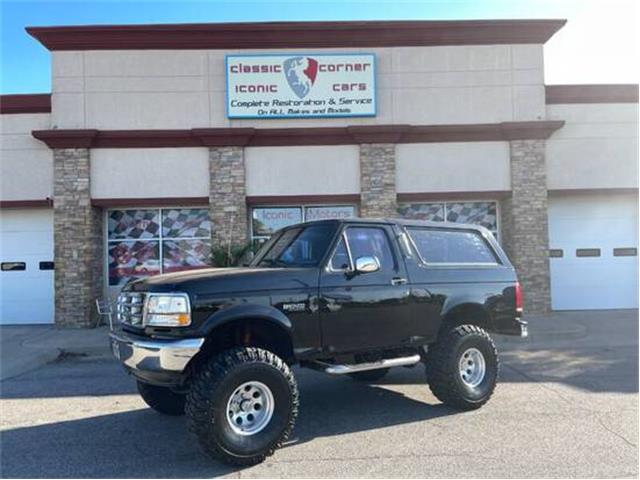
593	242
26	277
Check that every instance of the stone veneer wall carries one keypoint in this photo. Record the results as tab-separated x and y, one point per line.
378	180
525	223
227	200
78	240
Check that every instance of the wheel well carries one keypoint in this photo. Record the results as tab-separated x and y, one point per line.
247	332
466	314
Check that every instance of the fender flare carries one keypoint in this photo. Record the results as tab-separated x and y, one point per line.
247	311
463	302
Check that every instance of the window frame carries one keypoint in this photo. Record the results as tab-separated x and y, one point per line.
424	263
160	238
343	236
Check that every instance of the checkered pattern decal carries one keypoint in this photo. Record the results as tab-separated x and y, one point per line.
130	260
133	224
135	238
478	213
185	254
186	222
433	212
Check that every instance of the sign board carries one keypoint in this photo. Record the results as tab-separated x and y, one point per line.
301	86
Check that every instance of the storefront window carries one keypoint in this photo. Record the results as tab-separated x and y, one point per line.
266	220
151	241
478	213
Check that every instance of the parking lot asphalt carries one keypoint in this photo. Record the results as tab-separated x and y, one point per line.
566	406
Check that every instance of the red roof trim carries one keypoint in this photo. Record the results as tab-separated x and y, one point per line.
613	93
29	103
260	137
274	35
150	202
39	203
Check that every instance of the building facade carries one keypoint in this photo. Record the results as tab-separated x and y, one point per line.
159	146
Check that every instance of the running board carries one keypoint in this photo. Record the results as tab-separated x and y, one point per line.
361	367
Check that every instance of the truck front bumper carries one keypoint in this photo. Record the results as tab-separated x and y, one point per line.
160	362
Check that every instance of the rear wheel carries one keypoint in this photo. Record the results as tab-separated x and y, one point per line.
242	405
162	399
462	368
369	375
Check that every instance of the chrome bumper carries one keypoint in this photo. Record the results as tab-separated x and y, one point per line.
144	355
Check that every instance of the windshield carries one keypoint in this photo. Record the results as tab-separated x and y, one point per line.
297	247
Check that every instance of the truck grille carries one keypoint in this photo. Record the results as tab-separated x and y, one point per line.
130	307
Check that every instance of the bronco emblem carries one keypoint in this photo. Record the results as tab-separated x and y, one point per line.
301	74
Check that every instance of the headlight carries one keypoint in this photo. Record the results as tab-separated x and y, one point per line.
167	310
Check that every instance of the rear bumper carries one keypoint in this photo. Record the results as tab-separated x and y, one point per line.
516	327
160	362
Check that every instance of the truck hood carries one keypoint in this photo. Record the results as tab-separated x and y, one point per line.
215	281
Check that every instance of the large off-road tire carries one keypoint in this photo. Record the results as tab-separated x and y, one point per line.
369	375
242	405
462	367
162	399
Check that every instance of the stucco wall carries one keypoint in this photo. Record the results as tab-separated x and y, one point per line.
597	147
186	88
452	167
302	170
149	172
26	165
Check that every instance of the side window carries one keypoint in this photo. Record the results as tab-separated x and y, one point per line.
371	242
451	246
340	259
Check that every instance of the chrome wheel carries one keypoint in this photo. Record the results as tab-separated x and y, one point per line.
250	408
472	367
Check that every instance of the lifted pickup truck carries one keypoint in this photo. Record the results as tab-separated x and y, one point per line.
353	297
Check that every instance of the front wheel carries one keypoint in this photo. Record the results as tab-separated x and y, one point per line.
242	405
462	368
162	399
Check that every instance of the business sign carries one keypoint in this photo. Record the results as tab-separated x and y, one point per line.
300	86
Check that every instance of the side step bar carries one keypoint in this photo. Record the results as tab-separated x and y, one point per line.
361	367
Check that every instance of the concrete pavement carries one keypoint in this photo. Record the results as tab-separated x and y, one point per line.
27	347
566	406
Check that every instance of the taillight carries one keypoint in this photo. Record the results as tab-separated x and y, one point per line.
518	297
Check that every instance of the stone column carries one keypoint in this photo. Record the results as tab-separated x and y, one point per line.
78	240
227	201
378	180
525	223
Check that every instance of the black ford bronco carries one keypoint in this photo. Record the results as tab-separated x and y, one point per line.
353	297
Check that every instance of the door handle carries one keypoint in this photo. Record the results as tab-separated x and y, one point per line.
398	281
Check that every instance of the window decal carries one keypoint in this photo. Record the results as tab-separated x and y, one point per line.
151	241
178	255
13	266
588	252
133	224
625	252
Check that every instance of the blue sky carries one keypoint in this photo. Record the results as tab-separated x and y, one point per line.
598	45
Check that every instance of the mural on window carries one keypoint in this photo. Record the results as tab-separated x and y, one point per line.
478	213
151	241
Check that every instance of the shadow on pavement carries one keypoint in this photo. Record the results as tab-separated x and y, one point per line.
145	444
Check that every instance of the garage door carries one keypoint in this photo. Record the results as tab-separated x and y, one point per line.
26	277
593	243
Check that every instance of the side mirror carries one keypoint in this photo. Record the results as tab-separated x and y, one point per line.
367	264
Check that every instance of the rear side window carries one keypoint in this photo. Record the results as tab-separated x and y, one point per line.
451	246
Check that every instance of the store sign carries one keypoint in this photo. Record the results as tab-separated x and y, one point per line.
329	213
300	86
